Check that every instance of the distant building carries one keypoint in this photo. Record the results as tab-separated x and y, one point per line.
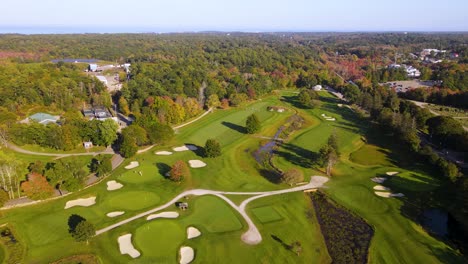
92	67
87	144
410	70
317	87
102	79
99	113
41	118
126	67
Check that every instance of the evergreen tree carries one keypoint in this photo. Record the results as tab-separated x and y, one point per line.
212	148
252	125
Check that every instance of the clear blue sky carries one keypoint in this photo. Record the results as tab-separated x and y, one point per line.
242	15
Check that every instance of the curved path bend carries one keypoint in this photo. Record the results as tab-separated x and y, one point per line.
252	236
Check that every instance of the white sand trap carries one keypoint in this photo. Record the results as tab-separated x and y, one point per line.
163	153
115	214
126	246
132	165
197	163
81	202
330	119
391	173
340	105
193	232
163	215
381	188
185	148
186	255
379	179
384	194
113	185
324	115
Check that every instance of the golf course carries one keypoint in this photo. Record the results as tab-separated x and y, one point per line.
243	214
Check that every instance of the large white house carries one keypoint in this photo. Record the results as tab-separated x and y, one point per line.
410	70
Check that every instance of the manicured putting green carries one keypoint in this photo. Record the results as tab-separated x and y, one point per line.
214	215
159	241
363	197
134	200
266	214
370	155
148	171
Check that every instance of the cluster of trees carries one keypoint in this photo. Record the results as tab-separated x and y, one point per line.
143	131
80	228
308	98
292	176
57	86
438	96
67	136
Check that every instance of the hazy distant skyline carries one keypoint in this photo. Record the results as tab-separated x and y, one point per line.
240	15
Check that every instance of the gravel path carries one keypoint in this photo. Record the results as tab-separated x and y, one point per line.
196	119
252	236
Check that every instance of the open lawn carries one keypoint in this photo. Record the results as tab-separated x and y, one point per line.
282	220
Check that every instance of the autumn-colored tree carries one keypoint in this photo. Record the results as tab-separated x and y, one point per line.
179	171
37	187
123	106
213	101
292	176
224	103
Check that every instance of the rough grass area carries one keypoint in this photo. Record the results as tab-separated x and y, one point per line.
346	235
11	249
266	214
78	259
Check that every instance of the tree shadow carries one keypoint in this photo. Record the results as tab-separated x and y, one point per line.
271	175
297	155
279	240
163	168
199	151
235	127
73	222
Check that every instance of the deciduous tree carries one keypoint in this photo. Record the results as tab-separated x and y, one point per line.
37	187
252	125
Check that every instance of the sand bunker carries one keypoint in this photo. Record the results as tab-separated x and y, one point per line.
388	194
186	255
384	194
391	173
115	214
163	153
163	215
330	119
378	179
81	202
193	232
381	188
132	165
113	185
197	163
126	246
185	148
340	105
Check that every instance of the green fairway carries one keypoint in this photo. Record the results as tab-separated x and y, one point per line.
159	240
133	200
370	155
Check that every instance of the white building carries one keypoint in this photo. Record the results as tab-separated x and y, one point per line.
317	87
410	70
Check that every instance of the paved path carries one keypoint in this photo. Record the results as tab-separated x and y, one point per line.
24	151
252	236
196	119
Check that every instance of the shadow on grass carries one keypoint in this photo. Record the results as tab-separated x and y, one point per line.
73	222
279	240
200	151
271	175
163	168
235	127
297	155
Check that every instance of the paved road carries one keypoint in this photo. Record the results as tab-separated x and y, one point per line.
252	236
24	151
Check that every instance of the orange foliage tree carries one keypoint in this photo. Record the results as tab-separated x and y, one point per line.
37	187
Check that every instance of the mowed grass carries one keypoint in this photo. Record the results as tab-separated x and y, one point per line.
370	155
266	214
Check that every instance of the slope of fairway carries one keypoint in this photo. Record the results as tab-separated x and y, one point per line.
159	240
370	155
